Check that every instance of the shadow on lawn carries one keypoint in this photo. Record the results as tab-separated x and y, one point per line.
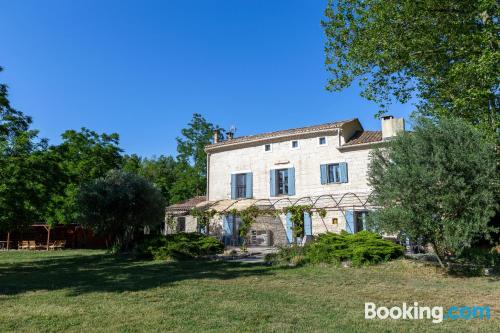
108	273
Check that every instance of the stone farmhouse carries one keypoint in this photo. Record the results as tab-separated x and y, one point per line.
324	166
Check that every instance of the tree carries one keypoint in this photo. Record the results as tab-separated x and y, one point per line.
120	205
444	52
161	171
438	184
83	156
192	160
26	171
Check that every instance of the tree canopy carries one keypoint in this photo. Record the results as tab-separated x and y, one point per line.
192	160
161	171
120	204
82	156
444	52
26	171
438	184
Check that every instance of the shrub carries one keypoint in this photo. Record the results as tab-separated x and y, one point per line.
286	256
180	246
362	248
475	260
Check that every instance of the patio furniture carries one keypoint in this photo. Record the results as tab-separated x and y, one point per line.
57	245
31	245
23	245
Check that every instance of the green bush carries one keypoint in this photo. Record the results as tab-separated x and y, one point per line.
362	248
180	246
475	260
286	256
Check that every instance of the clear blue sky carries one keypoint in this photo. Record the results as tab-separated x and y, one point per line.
142	68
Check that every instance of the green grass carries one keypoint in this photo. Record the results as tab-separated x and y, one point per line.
92	291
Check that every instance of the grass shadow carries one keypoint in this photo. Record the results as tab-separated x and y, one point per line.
110	273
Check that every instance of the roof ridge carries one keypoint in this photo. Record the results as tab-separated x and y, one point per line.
277	133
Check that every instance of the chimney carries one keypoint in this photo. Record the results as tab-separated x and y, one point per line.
216	136
391	126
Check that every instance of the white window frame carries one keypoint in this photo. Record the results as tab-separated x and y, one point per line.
324	144
270	147
291	144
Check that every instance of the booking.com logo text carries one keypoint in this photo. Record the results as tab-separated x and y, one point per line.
436	313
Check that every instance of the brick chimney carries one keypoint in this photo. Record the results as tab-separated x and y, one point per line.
391	126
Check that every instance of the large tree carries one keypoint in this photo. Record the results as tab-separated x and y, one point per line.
161	171
27	172
192	160
444	52
83	156
120	205
438	184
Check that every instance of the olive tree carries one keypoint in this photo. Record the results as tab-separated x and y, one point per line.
438	183
120	205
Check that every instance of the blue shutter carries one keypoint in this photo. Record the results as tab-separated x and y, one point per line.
307	224
349	221
288	227
233	186
343	172
272	182
324	173
291	181
227	229
249	185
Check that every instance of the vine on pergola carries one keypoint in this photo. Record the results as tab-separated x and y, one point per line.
203	216
249	215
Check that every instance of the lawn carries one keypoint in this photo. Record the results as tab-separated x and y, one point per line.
83	290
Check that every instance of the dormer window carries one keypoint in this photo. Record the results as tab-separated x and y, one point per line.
322	141
295	144
267	147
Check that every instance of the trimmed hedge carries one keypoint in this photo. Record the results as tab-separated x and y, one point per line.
362	248
180	246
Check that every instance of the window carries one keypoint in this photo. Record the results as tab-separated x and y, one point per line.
322	141
295	144
241	188
282	181
181	224
334	173
360	218
267	147
241	185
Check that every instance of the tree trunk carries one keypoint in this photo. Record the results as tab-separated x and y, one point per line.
8	240
436	252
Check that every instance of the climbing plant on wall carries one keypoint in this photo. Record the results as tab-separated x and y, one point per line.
203	217
297	218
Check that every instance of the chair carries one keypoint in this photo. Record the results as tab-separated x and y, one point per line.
57	245
23	245
32	245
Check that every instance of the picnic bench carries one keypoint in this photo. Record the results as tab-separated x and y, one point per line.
32	245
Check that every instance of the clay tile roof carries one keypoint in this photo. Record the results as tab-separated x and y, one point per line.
187	204
280	134
361	137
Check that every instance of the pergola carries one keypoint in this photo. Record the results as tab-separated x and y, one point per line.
47	228
329	202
